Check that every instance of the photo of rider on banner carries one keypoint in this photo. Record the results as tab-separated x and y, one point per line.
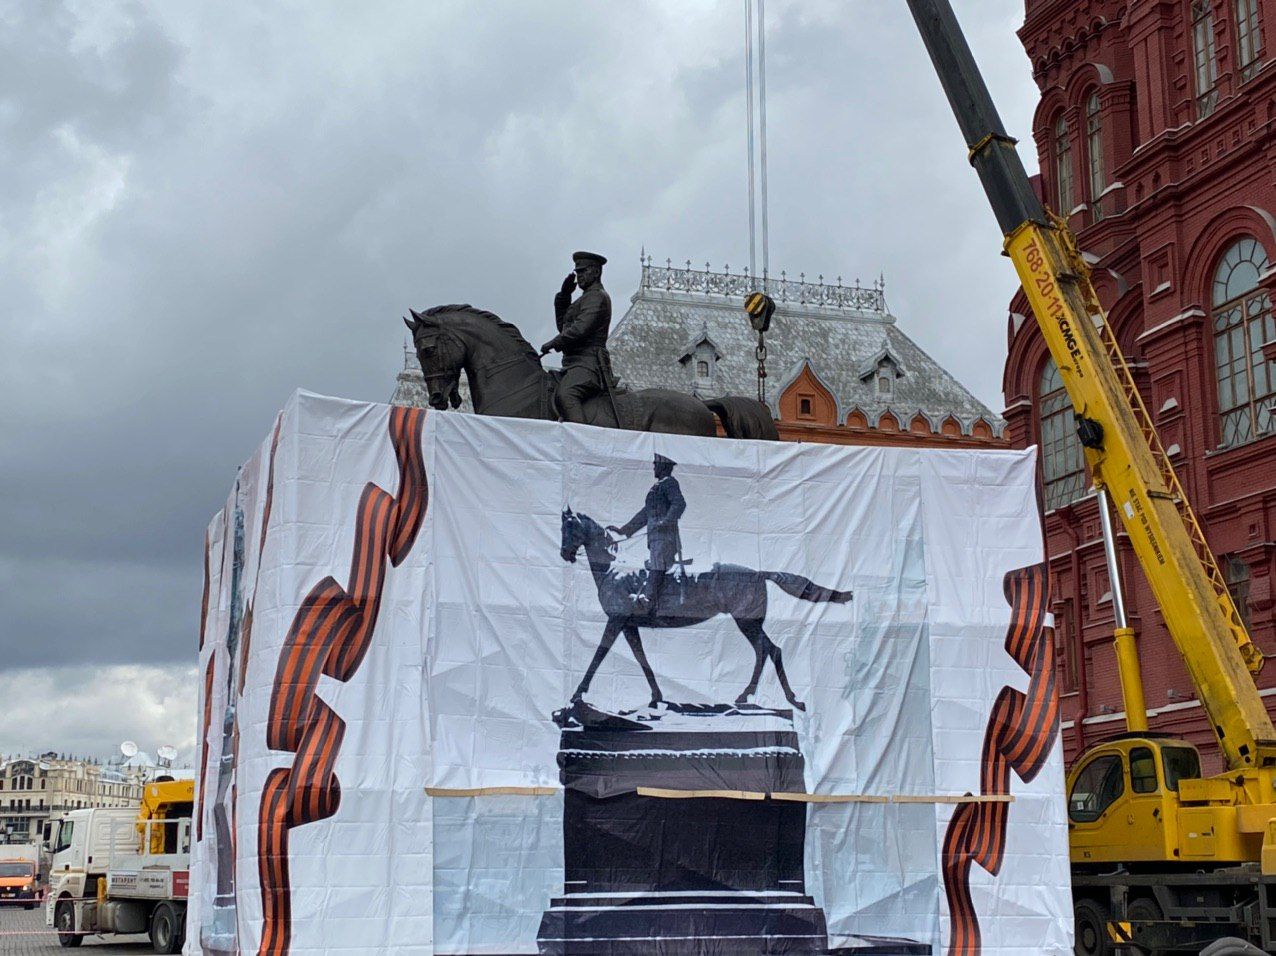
665	594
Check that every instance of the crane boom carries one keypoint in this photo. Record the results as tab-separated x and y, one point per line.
1121	446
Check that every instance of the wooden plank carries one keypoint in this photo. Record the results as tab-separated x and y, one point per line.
694	794
492	791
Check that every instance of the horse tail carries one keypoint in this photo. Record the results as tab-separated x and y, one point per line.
805	589
744	417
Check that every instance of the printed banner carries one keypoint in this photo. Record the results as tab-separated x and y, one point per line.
478	685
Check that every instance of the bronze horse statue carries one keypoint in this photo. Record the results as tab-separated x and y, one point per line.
730	589
506	378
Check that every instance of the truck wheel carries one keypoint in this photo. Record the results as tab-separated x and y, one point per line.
64	922
1144	910
1092	929
165	937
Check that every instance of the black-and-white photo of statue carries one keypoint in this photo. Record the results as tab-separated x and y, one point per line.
666	594
692	869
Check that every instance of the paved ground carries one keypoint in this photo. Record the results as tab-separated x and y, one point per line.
22	932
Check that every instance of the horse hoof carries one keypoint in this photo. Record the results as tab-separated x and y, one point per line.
798	705
742	699
656	702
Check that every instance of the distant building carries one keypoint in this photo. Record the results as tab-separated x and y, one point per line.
409	384
34	790
839	369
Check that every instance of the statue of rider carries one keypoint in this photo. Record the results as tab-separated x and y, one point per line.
659	515
582	336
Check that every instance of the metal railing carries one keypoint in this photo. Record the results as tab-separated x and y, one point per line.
853	297
132	840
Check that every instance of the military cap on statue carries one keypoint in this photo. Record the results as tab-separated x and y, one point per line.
588	257
662	460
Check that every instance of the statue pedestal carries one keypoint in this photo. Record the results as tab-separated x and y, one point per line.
693	875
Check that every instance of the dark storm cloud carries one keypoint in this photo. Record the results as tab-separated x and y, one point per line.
207	206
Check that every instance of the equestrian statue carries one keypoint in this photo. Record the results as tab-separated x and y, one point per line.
506	378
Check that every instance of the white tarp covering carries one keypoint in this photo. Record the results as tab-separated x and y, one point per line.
399	600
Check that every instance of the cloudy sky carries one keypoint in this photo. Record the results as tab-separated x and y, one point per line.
205	206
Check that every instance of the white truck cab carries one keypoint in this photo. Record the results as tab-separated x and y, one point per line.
110	872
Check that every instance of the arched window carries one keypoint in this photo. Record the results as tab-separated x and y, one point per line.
1237	573
885	381
702	369
1249	38
1243	324
1094	149
1206	57
1063	166
1062	461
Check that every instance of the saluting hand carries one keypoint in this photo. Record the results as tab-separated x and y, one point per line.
569	284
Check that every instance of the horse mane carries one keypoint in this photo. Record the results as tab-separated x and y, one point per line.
508	328
593	529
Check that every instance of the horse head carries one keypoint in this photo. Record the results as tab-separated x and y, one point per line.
441	355
582	531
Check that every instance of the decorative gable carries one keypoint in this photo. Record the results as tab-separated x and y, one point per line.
807	400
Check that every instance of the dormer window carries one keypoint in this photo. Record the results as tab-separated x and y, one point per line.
804	407
885	381
700	359
879	373
706	359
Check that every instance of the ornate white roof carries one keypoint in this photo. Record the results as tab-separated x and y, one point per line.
843	331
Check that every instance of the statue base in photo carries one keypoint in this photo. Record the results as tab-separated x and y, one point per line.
648	874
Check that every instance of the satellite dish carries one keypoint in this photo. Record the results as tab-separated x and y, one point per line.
166	752
128	748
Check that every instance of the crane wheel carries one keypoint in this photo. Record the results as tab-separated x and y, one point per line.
1092	929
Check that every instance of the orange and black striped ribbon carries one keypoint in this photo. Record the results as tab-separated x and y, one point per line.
210	673
208	698
203	750
203	604
246	629
1019	736
246	636
330	634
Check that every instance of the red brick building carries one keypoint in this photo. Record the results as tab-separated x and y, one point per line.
1156	133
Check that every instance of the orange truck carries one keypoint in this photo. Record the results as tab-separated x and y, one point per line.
19	875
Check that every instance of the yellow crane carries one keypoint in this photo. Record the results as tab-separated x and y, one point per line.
1163	858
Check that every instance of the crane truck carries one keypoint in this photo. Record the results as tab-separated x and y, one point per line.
120	870
1164	859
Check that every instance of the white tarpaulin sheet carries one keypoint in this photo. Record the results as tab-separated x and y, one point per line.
447	659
